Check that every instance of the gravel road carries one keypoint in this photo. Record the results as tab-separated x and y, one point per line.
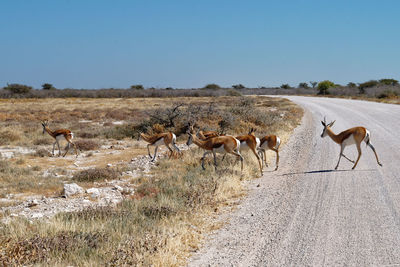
307	214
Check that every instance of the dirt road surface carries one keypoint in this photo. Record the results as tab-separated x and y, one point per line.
307	214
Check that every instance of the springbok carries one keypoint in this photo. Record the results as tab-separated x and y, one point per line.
220	144
160	139
58	135
349	137
250	141
270	142
204	134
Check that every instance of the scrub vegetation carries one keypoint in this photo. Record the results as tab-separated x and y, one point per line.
173	205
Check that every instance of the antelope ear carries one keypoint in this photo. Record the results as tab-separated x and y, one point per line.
323	123
331	124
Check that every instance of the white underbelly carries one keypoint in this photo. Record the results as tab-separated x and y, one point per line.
244	146
265	145
60	137
349	141
159	142
220	149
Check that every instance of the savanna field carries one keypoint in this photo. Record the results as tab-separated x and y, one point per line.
164	208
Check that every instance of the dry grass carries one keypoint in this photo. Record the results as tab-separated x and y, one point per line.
170	211
20	180
86	145
96	174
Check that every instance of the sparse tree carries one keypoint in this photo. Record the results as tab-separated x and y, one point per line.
351	85
369	84
303	85
212	86
18	88
392	82
137	87
286	86
313	84
166	117
324	86
238	86
48	86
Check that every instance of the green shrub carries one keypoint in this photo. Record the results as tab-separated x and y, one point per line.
389	81
238	86
303	85
285	86
96	174
212	86
324	86
137	87
48	86
18	88
368	84
351	85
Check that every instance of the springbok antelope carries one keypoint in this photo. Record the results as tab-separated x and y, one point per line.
160	139
205	134
58	135
250	141
349	137
219	144
270	142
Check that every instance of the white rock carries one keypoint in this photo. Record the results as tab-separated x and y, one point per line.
7	154
37	215
109	165
33	202
72	189
94	192
119	188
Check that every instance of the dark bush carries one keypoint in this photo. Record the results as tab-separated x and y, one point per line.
351	85
212	86
18	88
389	82
238	86
137	87
313	84
38	248
97	174
303	85
286	86
48	86
86	145
42	141
121	131
371	83
41	152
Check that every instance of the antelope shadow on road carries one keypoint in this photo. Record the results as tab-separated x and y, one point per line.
324	171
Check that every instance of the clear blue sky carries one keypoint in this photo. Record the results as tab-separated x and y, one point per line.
186	44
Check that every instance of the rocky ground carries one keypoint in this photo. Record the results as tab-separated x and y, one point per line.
75	197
